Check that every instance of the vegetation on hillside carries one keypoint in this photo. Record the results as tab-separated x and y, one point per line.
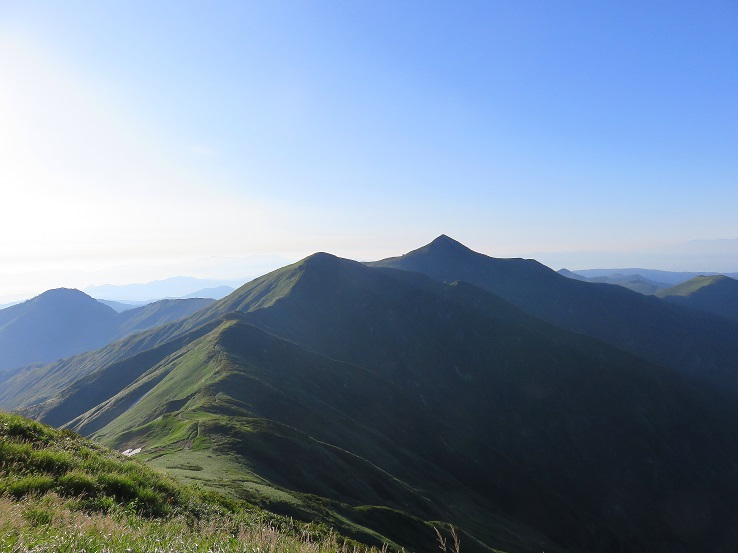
379	401
62	493
716	294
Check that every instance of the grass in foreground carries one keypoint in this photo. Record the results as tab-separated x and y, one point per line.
62	493
51	524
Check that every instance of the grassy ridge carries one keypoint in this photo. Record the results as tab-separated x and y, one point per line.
717	294
60	492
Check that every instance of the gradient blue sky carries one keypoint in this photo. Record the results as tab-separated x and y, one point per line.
155	134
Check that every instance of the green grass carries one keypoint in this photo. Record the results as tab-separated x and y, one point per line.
60	492
691	286
35	459
51	523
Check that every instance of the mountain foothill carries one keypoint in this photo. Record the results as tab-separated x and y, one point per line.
528	410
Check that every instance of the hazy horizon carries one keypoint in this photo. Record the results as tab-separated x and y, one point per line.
719	256
138	139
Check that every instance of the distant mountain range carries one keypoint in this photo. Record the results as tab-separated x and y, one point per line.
696	255
634	282
208	293
668	278
64	322
531	411
710	293
175	287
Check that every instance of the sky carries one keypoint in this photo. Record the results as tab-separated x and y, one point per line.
141	139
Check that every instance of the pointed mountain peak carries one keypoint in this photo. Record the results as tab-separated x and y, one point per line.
446	242
442	249
447	248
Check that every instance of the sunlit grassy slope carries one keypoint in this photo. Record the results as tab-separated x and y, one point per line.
28	388
61	493
717	294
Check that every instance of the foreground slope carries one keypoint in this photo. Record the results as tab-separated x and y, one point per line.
697	344
60	492
717	294
380	400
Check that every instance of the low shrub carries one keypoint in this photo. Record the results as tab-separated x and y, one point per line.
35	484
77	483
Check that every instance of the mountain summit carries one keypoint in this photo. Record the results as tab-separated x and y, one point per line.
696	344
446	243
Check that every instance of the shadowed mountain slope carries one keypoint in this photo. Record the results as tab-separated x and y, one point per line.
55	324
717	294
377	400
697	344
158	313
61	323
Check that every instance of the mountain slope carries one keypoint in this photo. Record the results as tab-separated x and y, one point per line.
378	400
717	294
31	388
216	293
55	324
28	336
157	314
696	344
60	492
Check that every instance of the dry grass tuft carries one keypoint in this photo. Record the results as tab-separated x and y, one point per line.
53	524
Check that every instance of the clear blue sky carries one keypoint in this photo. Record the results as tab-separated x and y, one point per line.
134	131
